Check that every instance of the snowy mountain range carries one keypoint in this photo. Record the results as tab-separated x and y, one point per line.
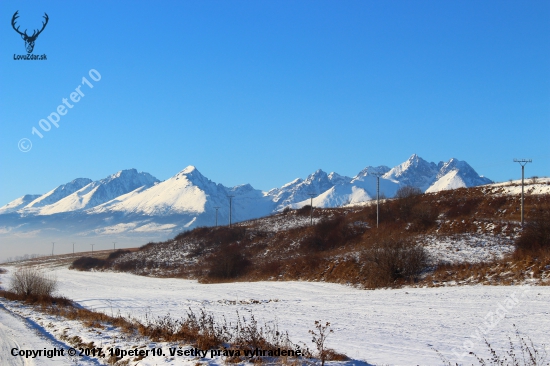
132	203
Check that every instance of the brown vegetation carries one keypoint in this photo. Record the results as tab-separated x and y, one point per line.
345	246
87	263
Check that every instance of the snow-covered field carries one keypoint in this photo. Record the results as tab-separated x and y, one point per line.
395	327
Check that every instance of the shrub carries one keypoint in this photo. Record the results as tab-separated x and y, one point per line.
117	254
226	235
132	265
330	233
393	260
535	237
466	207
88	263
407	197
148	245
228	262
407	192
31	282
423	216
304	211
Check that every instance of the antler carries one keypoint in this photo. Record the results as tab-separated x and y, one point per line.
13	20
34	35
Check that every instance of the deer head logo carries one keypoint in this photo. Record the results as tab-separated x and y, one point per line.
29	40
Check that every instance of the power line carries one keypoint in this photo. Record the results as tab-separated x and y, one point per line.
522	162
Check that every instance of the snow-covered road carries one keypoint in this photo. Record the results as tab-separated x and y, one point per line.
17	334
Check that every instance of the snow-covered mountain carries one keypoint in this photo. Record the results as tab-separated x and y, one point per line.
456	174
18	203
59	193
132	203
430	177
415	172
91	194
299	190
189	193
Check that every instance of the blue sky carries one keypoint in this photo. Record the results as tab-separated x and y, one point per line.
263	92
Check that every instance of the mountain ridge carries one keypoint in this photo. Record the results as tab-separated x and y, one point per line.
128	201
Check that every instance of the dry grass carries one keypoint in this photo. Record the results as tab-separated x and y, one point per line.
521	352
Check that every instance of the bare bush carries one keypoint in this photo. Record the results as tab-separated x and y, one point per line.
423	216
393	260
330	233
117	254
467	206
30	281
407	192
304	211
228	262
407	197
535	238
87	263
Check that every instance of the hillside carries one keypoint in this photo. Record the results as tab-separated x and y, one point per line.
461	230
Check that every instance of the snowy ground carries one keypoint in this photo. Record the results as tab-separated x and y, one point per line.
281	223
471	248
395	327
531	186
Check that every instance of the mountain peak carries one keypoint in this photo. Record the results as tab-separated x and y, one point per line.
189	169
122	172
370	170
415	172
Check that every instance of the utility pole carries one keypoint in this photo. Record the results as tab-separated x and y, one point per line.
522	162
377	175
114	246
230	201
53	246
217	208
73	248
92	249
311	195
